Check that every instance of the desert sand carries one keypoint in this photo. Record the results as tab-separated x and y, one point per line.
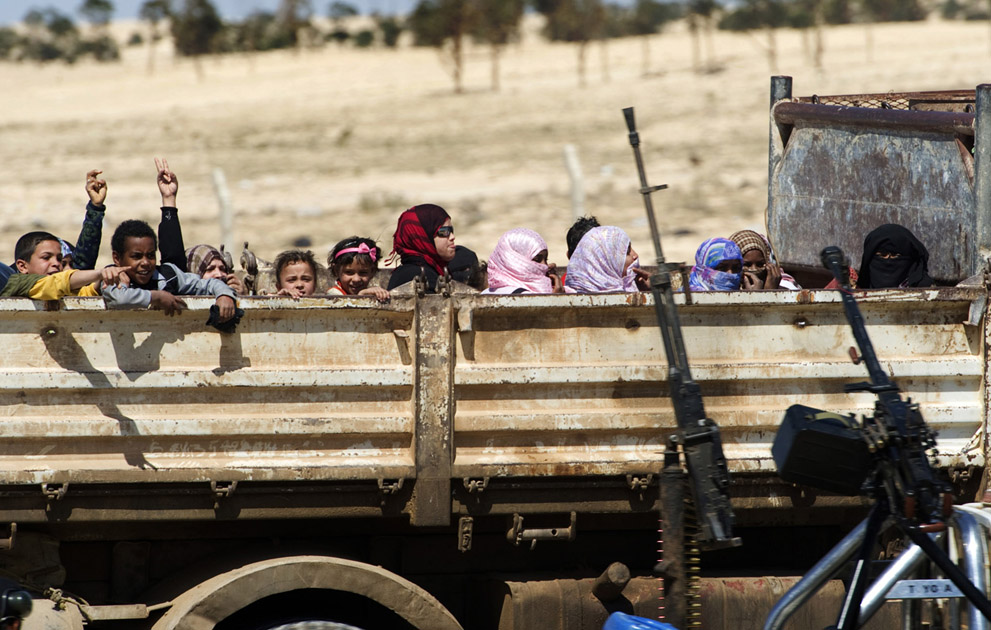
326	143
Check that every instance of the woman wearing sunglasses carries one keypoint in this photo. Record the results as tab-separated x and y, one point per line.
424	244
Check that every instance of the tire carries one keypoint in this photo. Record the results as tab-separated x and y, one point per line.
314	625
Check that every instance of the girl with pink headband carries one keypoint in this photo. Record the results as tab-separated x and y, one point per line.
354	262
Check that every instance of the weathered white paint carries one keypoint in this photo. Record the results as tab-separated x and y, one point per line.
542	385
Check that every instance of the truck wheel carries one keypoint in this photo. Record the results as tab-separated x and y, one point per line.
314	625
218	600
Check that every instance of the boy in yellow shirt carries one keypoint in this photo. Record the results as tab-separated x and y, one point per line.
40	276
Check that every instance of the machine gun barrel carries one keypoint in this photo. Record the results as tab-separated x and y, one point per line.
832	259
907	437
698	435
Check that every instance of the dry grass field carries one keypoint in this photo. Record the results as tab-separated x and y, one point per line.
330	142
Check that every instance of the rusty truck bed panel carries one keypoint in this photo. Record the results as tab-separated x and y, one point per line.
840	166
544	386
119	396
543	390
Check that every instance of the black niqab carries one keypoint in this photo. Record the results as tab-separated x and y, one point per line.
910	270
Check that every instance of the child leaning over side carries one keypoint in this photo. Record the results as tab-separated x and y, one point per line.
40	275
354	262
134	245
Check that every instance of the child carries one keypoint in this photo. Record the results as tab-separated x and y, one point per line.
296	273
134	245
40	275
577	230
354	262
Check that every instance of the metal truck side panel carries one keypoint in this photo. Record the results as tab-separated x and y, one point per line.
544	390
319	390
346	391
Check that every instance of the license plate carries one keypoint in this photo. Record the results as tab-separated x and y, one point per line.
924	589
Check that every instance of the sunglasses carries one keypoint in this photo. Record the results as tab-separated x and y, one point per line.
445	231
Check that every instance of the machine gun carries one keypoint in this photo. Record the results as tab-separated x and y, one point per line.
697	436
882	457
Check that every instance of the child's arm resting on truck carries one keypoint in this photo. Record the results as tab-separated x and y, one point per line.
61	284
182	283
192	284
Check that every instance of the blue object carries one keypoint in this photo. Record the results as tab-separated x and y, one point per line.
619	621
5	273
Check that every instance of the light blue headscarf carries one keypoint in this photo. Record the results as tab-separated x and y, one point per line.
705	277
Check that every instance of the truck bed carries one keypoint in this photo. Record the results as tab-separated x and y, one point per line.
419	406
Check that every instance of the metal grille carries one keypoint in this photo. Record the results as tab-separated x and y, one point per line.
951	100
875	101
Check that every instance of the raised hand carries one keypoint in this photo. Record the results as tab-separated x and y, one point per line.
234	283
751	282
556	285
96	188
642	278
168	183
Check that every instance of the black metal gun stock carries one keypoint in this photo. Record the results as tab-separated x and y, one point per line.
883	457
697	434
897	430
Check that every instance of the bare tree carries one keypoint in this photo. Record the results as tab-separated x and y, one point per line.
754	15
293	17
699	16
578	21
153	12
97	12
497	23
195	29
646	20
443	25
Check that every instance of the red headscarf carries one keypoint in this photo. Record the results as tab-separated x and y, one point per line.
413	241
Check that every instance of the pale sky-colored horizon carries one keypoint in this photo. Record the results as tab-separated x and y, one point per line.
12	11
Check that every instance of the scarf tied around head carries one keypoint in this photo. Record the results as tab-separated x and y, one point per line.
705	276
413	241
511	263
199	257
598	261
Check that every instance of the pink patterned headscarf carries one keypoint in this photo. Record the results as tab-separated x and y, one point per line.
511	263
597	264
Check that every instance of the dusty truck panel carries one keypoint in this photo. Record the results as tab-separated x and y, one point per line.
840	166
541	386
546	390
308	392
